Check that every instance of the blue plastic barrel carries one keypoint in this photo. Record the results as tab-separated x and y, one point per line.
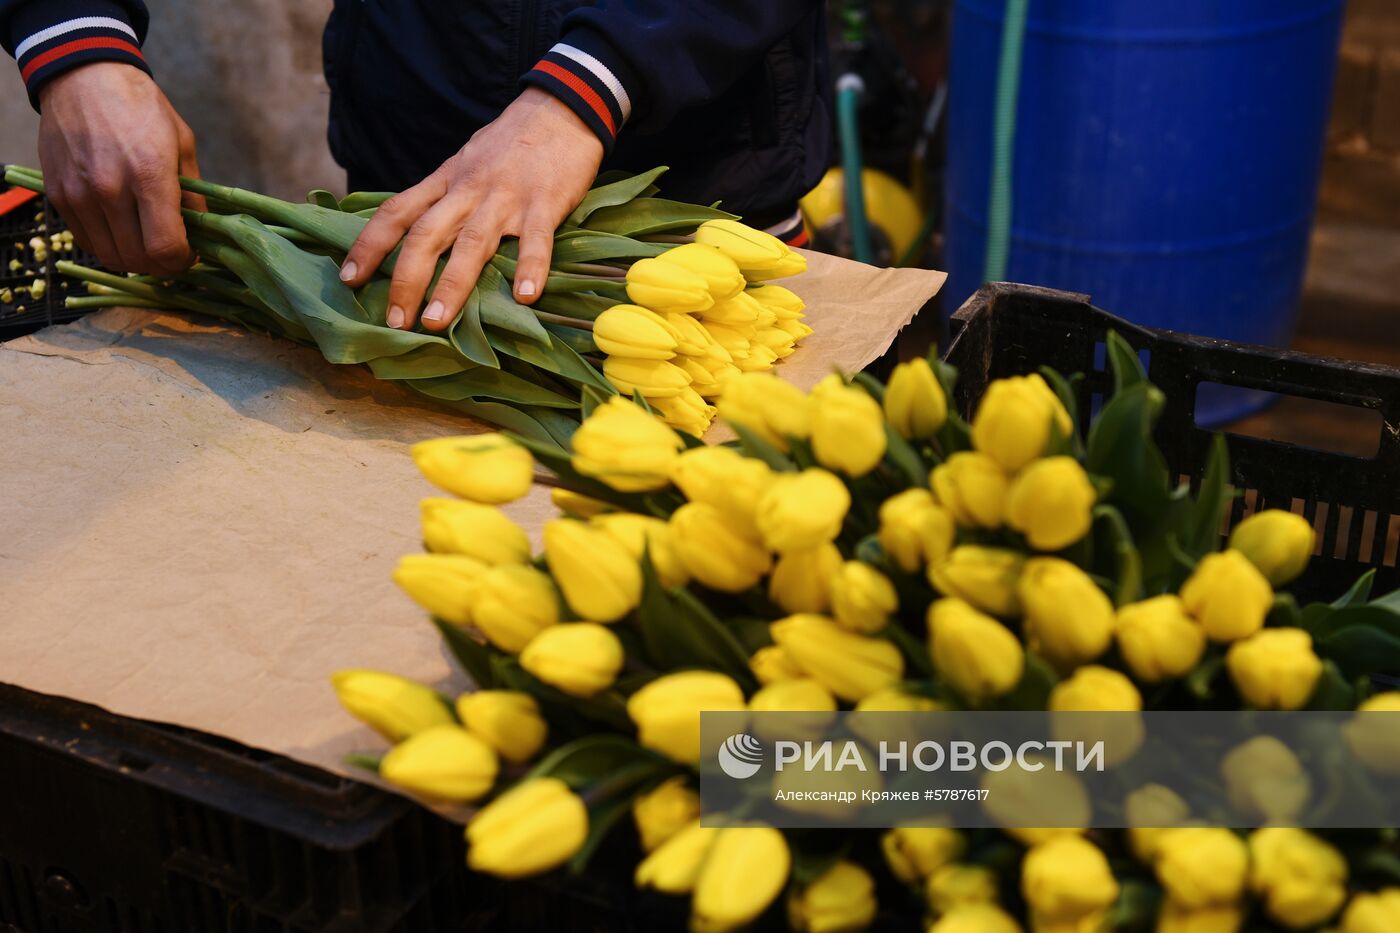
1167	156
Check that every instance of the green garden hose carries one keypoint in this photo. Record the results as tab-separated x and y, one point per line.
1004	141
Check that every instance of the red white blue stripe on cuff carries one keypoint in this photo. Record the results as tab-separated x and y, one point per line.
83	34
587	85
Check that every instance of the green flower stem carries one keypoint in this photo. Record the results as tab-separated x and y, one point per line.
549	318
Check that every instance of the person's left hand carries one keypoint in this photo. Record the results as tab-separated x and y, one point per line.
519	176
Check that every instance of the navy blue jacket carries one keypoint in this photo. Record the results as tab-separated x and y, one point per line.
732	94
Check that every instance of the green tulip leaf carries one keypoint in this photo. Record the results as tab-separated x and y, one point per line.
614	194
557	357
576	715
679	631
1361	591
474	656
1124	362
1121	448
357	201
500	309
1033	691
1332	692
760	449
580	305
1285	612
1361	650
650	216
899	452
1128	584
576	339
1201	532
592	758
322	198
594	245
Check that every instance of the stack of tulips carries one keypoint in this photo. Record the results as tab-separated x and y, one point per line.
864	547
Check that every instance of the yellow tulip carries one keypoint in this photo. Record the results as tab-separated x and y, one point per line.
758	360
579	658
507	720
686	411
894	700
646	534
664	811
636	332
489	468
721	275
724	478
770	407
651	378
443	584
976	918
749	248
771	664
1069	621
1067	880
1275	668
785	305
1278	543
862	598
848	427
735	311
914	401
1265	781
745	871
393	706
1051	502
840	900
1158	640
1014	420
983	576
973	487
1301	879
1095	689
849	665
797	329
777	340
801	580
793	263
667	287
801	511
600	580
691	337
715	550
1221	918
801	696
1201	866
1228	596
914	853
735	339
1016	798
1374	734
480	531
1150	811
444	762
667	710
537	825
1372	912
674	866
514	603
975	654
577	505
914	530
958	885
626	448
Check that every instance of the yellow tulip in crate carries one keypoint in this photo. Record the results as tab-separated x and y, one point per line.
863	547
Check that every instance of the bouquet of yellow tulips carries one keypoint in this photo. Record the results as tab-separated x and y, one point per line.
862	546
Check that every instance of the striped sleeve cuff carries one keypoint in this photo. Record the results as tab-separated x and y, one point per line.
585	74
53	37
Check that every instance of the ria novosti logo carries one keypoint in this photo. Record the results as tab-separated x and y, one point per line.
741	756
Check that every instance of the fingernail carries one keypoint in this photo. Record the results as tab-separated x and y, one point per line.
434	312
525	288
396	316
349	270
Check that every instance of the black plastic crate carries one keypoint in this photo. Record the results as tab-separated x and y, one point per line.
1352	501
19	224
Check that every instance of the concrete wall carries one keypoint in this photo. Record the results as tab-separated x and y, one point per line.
247	78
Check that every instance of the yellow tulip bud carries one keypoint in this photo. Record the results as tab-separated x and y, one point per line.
848	427
705	383
1372	912
443	584
862	598
1016	797
777	340
489	468
745	870
636	332
1068	620
626	448
735	311
913	853
1095	689
393	706
537	825
444	762
686	411
1150	811
849	665
1222	918
1278	543
759	359
957	885
973	487
1374	738
801	580
721	275
975	654
1014	419
801	696
771	664
1067	879
599	578
976	918
1275	668
797	329
674	866
840	900
773	409
667	710
507	720
651	378
640	534
1202	867
914	530
801	511
579	658
716	550
480	531
691	337
792	263
724	478
664	811
577	505
1228	596
1158	640
1301	879
667	287
734	339
749	248
894	700
983	576
785	305
513	604
914	401
1265	781
1051	502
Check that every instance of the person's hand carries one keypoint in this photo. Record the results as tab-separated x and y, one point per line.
519	176
112	149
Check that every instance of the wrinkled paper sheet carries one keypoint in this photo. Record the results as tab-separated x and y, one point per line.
198	524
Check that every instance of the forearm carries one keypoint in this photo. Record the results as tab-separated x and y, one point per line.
50	37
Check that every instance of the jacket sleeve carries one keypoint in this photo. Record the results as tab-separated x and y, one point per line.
644	61
49	37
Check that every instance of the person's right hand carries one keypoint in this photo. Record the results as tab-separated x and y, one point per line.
112	148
